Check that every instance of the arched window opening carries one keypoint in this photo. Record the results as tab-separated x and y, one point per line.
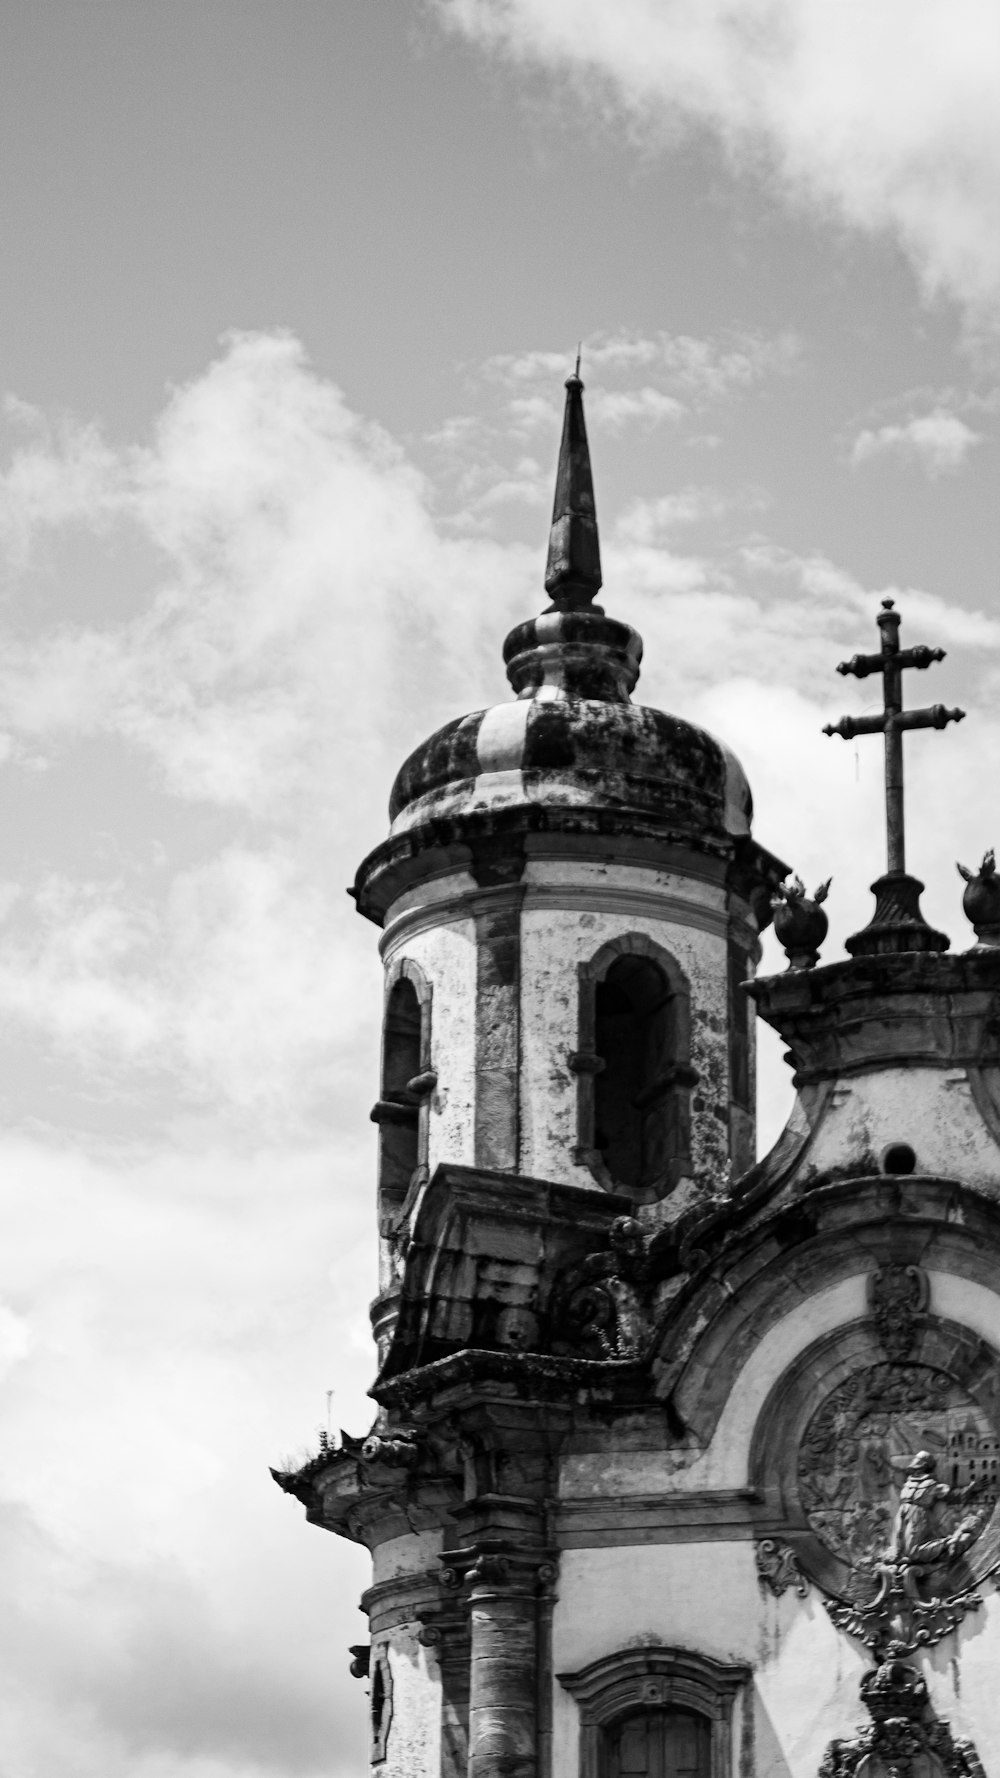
642	1088
380	1704
659	1744
398	1109
655	1712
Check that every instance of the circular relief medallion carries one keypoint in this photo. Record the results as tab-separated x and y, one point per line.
899	1465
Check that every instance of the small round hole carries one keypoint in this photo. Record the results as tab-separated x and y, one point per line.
899	1158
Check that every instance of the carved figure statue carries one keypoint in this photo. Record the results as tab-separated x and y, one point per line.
917	1540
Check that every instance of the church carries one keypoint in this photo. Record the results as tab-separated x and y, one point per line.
684	1464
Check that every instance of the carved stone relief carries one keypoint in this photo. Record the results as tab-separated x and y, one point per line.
903	1739
898	1296
606	1300
898	1478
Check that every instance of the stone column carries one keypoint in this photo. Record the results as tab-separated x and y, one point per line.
503	1685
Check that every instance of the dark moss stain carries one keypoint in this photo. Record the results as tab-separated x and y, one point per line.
793	1226
864	1168
548	743
623	753
448	755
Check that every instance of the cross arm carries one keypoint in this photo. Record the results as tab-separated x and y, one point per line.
936	717
860	665
849	726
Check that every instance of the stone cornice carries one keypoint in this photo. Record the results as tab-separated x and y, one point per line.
531	1373
638	902
444	846
932	1008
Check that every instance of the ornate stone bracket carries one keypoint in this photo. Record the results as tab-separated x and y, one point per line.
893	1608
902	1739
898	1296
778	1567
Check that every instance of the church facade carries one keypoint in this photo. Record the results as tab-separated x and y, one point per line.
683	1465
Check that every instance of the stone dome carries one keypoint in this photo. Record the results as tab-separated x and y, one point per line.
573	740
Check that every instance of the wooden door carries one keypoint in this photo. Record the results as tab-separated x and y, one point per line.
660	1744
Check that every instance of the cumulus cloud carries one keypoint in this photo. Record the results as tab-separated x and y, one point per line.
614	409
655	521
881	113
939	442
702	369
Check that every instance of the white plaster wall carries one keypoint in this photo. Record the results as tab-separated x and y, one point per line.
413	1749
931	1109
961	1675
413	1553
446	953
706	1597
571	909
971	1305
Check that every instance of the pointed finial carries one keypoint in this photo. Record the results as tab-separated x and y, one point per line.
573	569
579	354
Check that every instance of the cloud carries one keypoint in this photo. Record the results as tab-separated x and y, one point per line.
655	521
939	442
190	1007
614	409
882	114
176	1317
701	368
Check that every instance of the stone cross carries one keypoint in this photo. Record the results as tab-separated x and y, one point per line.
892	719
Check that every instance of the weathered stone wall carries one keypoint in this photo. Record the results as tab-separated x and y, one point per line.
413	1744
435	927
938	1112
504	963
571	910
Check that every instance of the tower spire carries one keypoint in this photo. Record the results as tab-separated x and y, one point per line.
573	569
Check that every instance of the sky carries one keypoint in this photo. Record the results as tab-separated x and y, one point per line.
287	296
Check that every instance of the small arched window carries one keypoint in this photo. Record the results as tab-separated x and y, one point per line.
635	1069
406	1082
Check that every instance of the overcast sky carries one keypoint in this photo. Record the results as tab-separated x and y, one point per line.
288	290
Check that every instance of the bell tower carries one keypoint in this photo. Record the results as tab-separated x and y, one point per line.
569	898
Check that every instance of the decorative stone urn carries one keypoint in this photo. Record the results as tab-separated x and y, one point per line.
800	924
981	901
